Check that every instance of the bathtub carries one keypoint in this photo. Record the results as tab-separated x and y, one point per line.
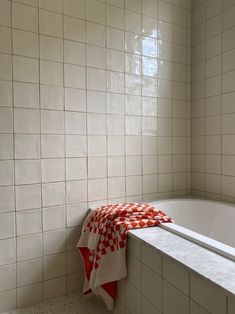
208	223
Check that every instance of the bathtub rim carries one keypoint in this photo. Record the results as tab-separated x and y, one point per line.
179	249
224	280
205	241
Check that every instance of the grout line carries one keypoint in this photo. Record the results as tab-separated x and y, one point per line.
204	117
79	88
65	207
124	109
141	102
106	110
172	122
221	109
106	135
96	45
13	153
157	114
40	153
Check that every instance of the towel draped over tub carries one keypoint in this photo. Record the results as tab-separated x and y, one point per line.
103	244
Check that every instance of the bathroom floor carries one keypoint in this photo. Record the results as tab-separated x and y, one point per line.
72	304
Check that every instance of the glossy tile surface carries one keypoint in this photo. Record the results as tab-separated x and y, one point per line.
95	96
212	92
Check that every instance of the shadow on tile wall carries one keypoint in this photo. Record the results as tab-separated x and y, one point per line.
213	119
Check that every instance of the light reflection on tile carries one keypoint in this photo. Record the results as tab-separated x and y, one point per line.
149	66
132	43
149	47
149	27
109	90
133	63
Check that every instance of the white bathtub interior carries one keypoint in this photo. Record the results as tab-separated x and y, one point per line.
208	223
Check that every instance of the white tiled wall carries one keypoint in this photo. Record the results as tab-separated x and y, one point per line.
213	91
158	284
94	107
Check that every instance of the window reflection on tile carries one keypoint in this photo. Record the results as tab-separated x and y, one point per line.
149	47
149	26
132	43
114	89
133	64
149	66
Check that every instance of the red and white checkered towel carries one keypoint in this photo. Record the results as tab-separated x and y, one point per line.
103	244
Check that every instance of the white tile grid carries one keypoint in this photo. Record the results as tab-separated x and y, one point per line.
57	192
212	167
170	189
202	9
176	288
10	296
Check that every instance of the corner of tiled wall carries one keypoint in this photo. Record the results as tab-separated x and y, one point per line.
94	108
213	90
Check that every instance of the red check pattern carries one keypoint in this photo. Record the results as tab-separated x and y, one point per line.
112	223
103	244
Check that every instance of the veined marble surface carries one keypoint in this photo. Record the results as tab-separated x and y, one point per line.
211	266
